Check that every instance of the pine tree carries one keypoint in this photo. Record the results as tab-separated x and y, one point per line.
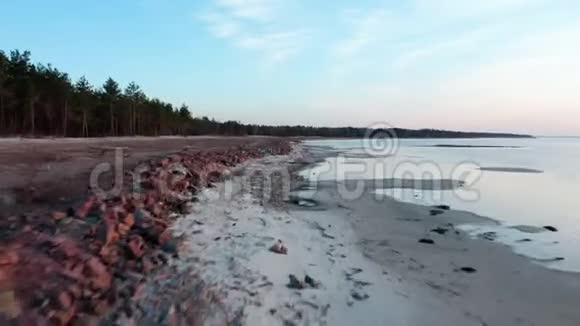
112	92
84	90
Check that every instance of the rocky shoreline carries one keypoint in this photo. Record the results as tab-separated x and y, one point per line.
221	239
94	262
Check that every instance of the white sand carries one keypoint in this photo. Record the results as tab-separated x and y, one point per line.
408	283
253	280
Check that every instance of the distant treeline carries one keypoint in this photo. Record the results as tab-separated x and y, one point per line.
40	100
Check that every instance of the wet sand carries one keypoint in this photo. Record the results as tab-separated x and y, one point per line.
479	281
468	146
510	169
378	261
502	289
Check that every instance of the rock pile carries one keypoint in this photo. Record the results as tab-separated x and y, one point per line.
74	267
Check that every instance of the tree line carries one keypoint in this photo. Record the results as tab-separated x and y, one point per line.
40	100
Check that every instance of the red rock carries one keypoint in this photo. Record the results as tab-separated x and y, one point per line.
86	208
57	216
139	291
137	246
110	254
9	304
123	229
5	277
65	300
148	265
8	257
68	247
165	237
75	291
101	307
129	220
62	317
100	279
35	263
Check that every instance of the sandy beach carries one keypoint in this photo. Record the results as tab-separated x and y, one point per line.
373	262
265	246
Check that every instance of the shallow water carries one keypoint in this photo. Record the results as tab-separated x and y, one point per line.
515	181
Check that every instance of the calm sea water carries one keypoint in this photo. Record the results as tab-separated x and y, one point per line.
531	182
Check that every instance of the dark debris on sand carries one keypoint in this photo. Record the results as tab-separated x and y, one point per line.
426	241
297	284
435	212
467	269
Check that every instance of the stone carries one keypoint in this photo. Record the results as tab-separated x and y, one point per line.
440	230
359	296
279	248
137	246
295	283
435	212
9	305
65	300
170	246
490	236
468	270
310	281
58	216
84	259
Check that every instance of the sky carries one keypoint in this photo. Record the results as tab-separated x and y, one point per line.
482	65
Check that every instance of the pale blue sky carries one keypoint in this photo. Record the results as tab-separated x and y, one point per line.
497	65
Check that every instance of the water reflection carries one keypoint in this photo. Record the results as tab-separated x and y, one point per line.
521	182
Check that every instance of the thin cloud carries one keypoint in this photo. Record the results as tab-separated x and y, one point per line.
262	10
220	26
245	23
470	9
366	29
469	42
279	46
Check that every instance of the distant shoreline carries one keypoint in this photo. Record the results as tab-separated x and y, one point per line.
295	131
